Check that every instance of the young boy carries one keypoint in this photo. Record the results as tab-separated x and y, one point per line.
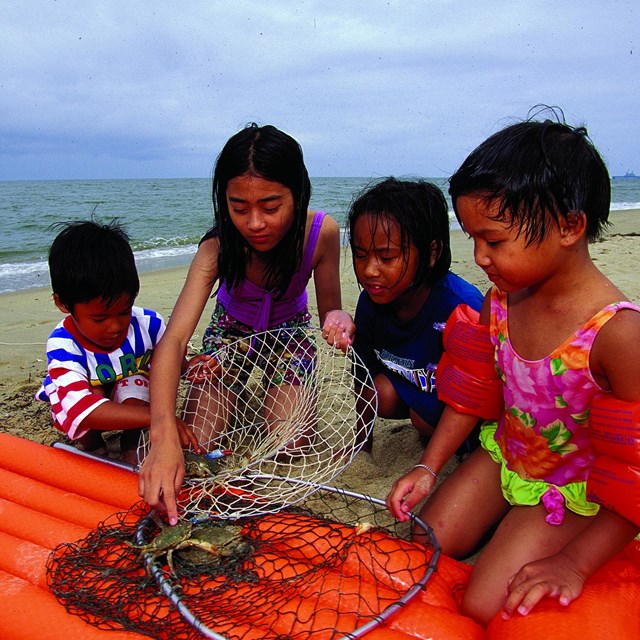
98	356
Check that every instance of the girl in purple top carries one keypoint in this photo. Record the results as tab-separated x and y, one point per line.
262	251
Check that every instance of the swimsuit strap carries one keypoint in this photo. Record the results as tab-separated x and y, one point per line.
314	234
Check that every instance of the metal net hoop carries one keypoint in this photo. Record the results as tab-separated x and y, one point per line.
334	566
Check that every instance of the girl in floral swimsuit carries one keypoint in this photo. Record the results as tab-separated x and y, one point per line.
532	197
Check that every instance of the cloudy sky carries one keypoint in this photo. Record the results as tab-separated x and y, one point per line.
133	88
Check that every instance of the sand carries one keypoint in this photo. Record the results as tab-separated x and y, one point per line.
28	317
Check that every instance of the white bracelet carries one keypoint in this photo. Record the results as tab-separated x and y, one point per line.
426	467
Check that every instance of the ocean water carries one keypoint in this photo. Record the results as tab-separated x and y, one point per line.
165	218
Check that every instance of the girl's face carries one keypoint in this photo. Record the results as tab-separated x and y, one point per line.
384	269
261	210
501	252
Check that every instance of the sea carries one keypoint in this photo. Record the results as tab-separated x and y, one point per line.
164	218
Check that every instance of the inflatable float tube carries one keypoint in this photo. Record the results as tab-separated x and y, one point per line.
49	496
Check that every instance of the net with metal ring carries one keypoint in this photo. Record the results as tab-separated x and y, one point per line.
275	407
334	566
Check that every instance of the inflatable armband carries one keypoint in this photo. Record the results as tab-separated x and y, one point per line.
614	428
466	377
614	479
468	341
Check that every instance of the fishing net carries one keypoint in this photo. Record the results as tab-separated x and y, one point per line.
274	407
335	565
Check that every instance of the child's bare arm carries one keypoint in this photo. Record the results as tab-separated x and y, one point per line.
326	271
163	469
452	430
114	416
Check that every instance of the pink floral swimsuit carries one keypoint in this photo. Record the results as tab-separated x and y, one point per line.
542	438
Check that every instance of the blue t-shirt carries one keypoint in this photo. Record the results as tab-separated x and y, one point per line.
408	352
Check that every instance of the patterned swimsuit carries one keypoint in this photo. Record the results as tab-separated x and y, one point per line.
249	309
542	439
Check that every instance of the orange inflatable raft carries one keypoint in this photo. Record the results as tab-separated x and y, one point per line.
49	496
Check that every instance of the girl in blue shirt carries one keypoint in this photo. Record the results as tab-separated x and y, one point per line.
399	236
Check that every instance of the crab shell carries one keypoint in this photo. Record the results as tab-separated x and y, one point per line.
224	540
199	545
199	466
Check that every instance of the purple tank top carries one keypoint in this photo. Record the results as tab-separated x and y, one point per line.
256	306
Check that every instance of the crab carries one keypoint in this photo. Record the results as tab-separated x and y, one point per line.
211	541
226	539
201	466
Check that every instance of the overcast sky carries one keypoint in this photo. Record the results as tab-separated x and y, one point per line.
127	89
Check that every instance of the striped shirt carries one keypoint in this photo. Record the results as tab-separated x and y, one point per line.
75	370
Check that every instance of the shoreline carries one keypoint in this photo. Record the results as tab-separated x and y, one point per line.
30	276
29	316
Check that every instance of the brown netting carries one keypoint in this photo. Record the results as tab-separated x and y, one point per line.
333	566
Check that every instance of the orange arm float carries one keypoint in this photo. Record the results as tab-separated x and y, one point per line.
614	479
466	377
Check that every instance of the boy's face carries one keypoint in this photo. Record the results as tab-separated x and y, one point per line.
105	326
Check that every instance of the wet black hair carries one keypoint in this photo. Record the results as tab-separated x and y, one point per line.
89	260
420	210
538	171
263	152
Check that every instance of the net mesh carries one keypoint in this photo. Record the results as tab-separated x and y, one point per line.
264	547
332	566
277	406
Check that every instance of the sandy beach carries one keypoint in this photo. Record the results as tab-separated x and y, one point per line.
28	317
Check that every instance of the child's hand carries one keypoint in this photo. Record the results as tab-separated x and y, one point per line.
201	368
161	476
408	491
187	437
338	329
554	577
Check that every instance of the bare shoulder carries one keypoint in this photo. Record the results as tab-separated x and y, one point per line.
204	266
328	237
329	225
616	354
206	257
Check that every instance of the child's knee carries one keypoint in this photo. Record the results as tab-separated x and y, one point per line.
480	605
389	403
421	426
92	441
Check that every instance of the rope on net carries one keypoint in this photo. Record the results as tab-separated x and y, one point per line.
333	566
277	406
265	548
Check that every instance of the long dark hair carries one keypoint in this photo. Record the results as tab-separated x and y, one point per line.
264	152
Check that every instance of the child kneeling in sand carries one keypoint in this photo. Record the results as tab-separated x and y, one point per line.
98	356
532	197
400	243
